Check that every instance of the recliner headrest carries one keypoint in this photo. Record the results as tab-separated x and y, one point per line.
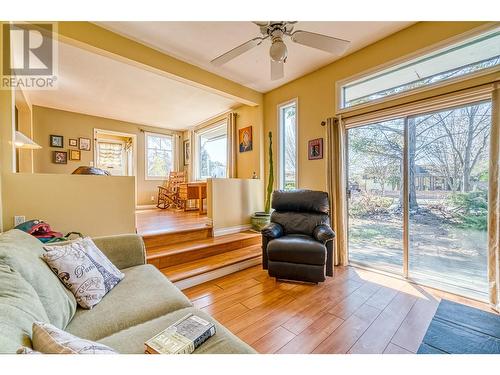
301	201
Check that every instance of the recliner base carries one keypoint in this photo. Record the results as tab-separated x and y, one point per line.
295	271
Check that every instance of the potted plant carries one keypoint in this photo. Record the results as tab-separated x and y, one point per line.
261	219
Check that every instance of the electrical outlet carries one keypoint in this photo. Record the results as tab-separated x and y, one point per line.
19	220
152	198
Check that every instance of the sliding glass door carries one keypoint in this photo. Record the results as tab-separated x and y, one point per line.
417	191
448	207
374	188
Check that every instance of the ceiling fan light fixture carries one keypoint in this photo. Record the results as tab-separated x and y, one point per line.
278	50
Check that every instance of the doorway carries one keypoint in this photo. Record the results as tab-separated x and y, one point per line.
417	190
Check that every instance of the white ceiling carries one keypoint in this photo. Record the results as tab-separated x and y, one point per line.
97	85
200	42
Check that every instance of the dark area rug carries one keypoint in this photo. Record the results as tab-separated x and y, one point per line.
460	329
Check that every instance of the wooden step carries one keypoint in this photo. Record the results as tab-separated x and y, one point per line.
194	268
178	253
158	239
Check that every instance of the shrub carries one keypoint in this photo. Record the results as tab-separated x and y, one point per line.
369	205
470	210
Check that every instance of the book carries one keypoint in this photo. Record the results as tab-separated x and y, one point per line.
182	337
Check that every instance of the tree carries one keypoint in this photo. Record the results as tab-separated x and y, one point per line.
455	147
449	143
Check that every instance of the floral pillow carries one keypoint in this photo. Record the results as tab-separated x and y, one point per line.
83	269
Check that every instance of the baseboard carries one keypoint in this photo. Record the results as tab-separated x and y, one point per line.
231	230
215	274
145	207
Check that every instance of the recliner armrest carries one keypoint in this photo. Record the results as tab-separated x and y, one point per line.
272	230
323	233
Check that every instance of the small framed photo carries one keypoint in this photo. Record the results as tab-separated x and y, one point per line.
60	157
84	144
56	141
75	155
315	149
73	142
187	152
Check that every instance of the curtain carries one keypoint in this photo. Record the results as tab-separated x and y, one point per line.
177	149
231	145
336	186
494	202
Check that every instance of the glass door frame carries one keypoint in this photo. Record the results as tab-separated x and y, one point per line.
405	183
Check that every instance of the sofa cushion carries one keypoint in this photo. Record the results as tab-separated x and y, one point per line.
131	340
144	294
22	252
19	308
297	249
84	269
48	339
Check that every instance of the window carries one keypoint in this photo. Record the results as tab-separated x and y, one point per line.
460	59
288	145
159	156
111	156
212	152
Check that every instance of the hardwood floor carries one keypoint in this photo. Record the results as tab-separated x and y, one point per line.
357	311
155	221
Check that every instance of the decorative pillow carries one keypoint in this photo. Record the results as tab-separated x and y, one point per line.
48	339
84	269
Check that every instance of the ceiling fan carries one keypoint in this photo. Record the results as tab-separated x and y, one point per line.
276	31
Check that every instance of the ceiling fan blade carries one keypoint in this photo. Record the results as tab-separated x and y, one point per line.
235	52
277	70
323	42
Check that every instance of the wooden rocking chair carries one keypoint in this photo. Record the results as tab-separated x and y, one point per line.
168	194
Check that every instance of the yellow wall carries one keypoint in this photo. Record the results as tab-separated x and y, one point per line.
250	161
316	91
232	201
25	126
92	205
48	121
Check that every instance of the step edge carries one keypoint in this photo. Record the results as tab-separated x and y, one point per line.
158	253
192	274
220	265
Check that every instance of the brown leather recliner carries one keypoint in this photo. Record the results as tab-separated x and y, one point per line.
298	242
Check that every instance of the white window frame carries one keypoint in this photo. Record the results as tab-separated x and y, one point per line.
280	139
339	85
150	134
199	132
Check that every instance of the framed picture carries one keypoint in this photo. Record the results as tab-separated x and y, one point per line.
84	144
187	152
56	141
73	142
315	149
245	139
75	155
60	157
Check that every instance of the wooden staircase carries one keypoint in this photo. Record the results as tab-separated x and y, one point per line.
193	256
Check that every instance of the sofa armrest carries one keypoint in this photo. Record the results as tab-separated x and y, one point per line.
125	250
272	230
323	233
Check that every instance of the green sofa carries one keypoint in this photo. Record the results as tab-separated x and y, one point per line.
144	303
